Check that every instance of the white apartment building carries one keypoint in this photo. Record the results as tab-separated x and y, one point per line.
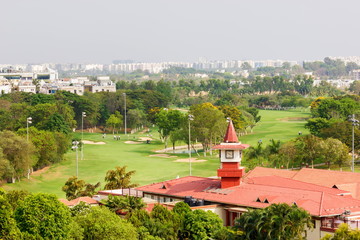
26	86
355	74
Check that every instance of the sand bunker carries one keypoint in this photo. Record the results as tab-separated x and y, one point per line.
91	142
162	155
132	142
288	119
145	138
38	172
191	160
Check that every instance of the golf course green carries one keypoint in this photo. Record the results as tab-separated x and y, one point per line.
130	151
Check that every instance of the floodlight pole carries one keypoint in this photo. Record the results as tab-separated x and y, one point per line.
75	146
83	114
354	122
28	121
191	117
125	111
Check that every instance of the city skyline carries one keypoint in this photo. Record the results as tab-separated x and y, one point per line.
157	31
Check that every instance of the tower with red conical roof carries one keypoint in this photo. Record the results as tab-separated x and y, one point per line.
230	151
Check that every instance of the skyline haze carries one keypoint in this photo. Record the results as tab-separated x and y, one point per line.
159	30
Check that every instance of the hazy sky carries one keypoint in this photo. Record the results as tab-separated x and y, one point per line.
89	31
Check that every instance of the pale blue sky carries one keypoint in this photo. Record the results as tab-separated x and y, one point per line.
88	31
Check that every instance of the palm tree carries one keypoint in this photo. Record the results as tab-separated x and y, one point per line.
278	221
119	178
124	204
132	203
274	146
256	152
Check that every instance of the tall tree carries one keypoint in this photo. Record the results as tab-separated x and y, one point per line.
18	152
208	125
167	122
75	188
114	121
119	178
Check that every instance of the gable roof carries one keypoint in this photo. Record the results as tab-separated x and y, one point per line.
326	178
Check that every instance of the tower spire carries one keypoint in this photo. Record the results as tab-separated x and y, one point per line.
230	136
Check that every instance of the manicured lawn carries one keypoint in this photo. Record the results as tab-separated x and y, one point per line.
280	125
277	125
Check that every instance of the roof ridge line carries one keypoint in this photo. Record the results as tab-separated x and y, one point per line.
299	182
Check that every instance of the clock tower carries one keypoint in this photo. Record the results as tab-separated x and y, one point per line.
230	151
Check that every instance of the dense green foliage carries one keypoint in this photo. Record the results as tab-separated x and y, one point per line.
301	151
43	216
101	223
278	221
344	232
8	227
330	118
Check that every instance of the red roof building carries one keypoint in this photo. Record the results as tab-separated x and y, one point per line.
331	197
74	202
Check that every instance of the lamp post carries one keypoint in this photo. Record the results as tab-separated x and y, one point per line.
191	117
83	114
28	121
354	122
125	111
76	146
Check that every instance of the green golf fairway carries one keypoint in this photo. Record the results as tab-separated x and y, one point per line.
99	158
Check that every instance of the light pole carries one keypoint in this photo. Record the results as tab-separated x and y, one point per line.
76	146
354	122
83	114
191	117
28	121
125	111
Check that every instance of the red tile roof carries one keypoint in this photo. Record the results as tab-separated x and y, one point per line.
234	147
326	178
347	181
293	184
230	136
87	200
261	171
319	201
